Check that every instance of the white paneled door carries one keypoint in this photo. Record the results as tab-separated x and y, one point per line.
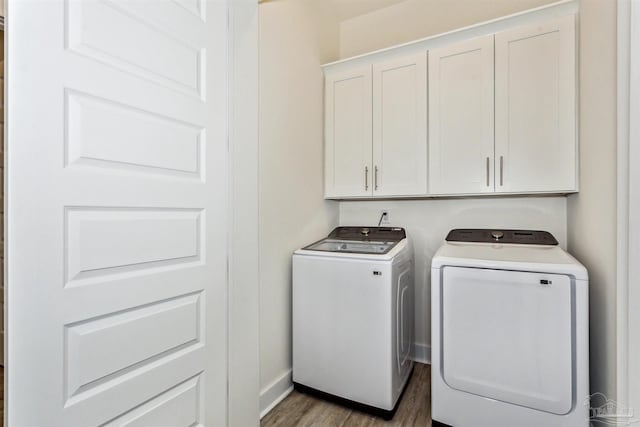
461	117
117	208
400	126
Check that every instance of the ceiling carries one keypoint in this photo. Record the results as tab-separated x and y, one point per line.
346	9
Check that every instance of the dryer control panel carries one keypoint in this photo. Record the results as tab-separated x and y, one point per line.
523	237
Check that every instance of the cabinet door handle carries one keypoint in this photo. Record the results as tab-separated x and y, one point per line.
375	178
366	178
501	170
487	171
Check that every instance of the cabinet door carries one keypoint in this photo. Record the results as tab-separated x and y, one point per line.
461	118
536	108
348	171
400	126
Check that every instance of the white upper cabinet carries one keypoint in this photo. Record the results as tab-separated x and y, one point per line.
461	159
536	108
400	126
348	100
488	112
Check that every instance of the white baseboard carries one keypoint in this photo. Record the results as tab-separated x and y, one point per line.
275	392
422	353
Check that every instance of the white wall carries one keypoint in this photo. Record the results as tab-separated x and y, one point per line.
296	36
428	221
415	19
592	212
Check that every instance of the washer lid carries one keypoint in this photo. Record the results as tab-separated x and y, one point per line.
351	246
516	257
359	240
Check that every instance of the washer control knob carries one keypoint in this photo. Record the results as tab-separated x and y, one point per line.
364	231
497	235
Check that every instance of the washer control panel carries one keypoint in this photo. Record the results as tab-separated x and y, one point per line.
480	235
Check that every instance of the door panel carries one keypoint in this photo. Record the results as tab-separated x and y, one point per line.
400	126
117	200
175	407
535	108
171	61
348	169
461	118
107	242
169	147
103	349
508	337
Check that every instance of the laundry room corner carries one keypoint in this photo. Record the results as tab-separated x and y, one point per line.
320	213
298	122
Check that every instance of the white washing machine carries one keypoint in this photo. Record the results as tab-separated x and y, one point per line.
353	317
510	331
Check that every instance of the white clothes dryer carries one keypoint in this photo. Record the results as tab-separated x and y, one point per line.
510	331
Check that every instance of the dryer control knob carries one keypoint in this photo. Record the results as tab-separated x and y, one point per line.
497	235
364	231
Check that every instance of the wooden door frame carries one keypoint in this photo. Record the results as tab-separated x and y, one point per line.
628	204
243	362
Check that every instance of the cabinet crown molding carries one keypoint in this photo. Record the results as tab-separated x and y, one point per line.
526	17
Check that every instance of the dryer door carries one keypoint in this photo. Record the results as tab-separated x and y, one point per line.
507	335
